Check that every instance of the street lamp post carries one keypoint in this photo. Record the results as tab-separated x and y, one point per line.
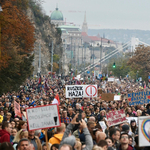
84	58
0	31
101	56
93	57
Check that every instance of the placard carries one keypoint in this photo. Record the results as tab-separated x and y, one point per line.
107	96
116	117
144	131
79	91
111	79
99	91
117	97
139	98
90	91
103	125
43	117
17	109
74	91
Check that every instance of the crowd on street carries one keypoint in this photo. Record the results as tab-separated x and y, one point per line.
80	128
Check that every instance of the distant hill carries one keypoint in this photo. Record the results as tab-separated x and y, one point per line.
122	35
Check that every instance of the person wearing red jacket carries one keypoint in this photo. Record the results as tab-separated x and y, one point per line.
5	132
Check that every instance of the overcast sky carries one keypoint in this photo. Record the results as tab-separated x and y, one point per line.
104	14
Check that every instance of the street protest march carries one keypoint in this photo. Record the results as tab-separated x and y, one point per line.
74	75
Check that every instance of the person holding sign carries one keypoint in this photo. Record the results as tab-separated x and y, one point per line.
71	140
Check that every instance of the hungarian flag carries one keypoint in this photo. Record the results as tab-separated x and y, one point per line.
56	100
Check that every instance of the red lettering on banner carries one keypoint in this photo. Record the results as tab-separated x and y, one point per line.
116	117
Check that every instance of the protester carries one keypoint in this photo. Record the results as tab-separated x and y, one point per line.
21	134
34	140
23	144
6	146
5	132
56	139
124	142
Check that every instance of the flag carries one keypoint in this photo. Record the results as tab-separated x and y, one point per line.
39	80
56	100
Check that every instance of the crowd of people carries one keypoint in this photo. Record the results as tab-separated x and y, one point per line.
80	117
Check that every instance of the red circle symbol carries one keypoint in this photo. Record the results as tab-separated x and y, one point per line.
91	90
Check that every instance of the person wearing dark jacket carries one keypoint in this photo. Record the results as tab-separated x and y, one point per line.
124	140
5	132
71	140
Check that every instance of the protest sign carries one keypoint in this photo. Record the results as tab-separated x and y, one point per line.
111	79
17	109
90	91
74	91
132	118
144	131
79	91
107	96
43	117
116	117
99	91
117	97
103	125
139	98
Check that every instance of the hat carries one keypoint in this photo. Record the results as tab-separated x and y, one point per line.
133	120
71	140
125	128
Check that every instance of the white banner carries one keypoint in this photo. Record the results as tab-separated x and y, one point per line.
79	91
144	131
43	117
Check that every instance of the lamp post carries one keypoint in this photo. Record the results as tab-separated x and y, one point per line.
100	52
51	51
64	51
0	31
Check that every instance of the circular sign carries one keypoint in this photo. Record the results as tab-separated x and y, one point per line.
91	90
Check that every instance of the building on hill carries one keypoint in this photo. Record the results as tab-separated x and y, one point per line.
57	17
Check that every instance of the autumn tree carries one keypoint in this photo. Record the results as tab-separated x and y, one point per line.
17	43
141	61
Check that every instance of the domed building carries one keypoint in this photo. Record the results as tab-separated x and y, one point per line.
57	17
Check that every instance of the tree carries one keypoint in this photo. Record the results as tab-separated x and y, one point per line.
141	61
121	68
17	43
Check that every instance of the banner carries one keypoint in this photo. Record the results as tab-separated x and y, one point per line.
79	91
144	131
43	117
17	109
116	117
139	98
107	96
